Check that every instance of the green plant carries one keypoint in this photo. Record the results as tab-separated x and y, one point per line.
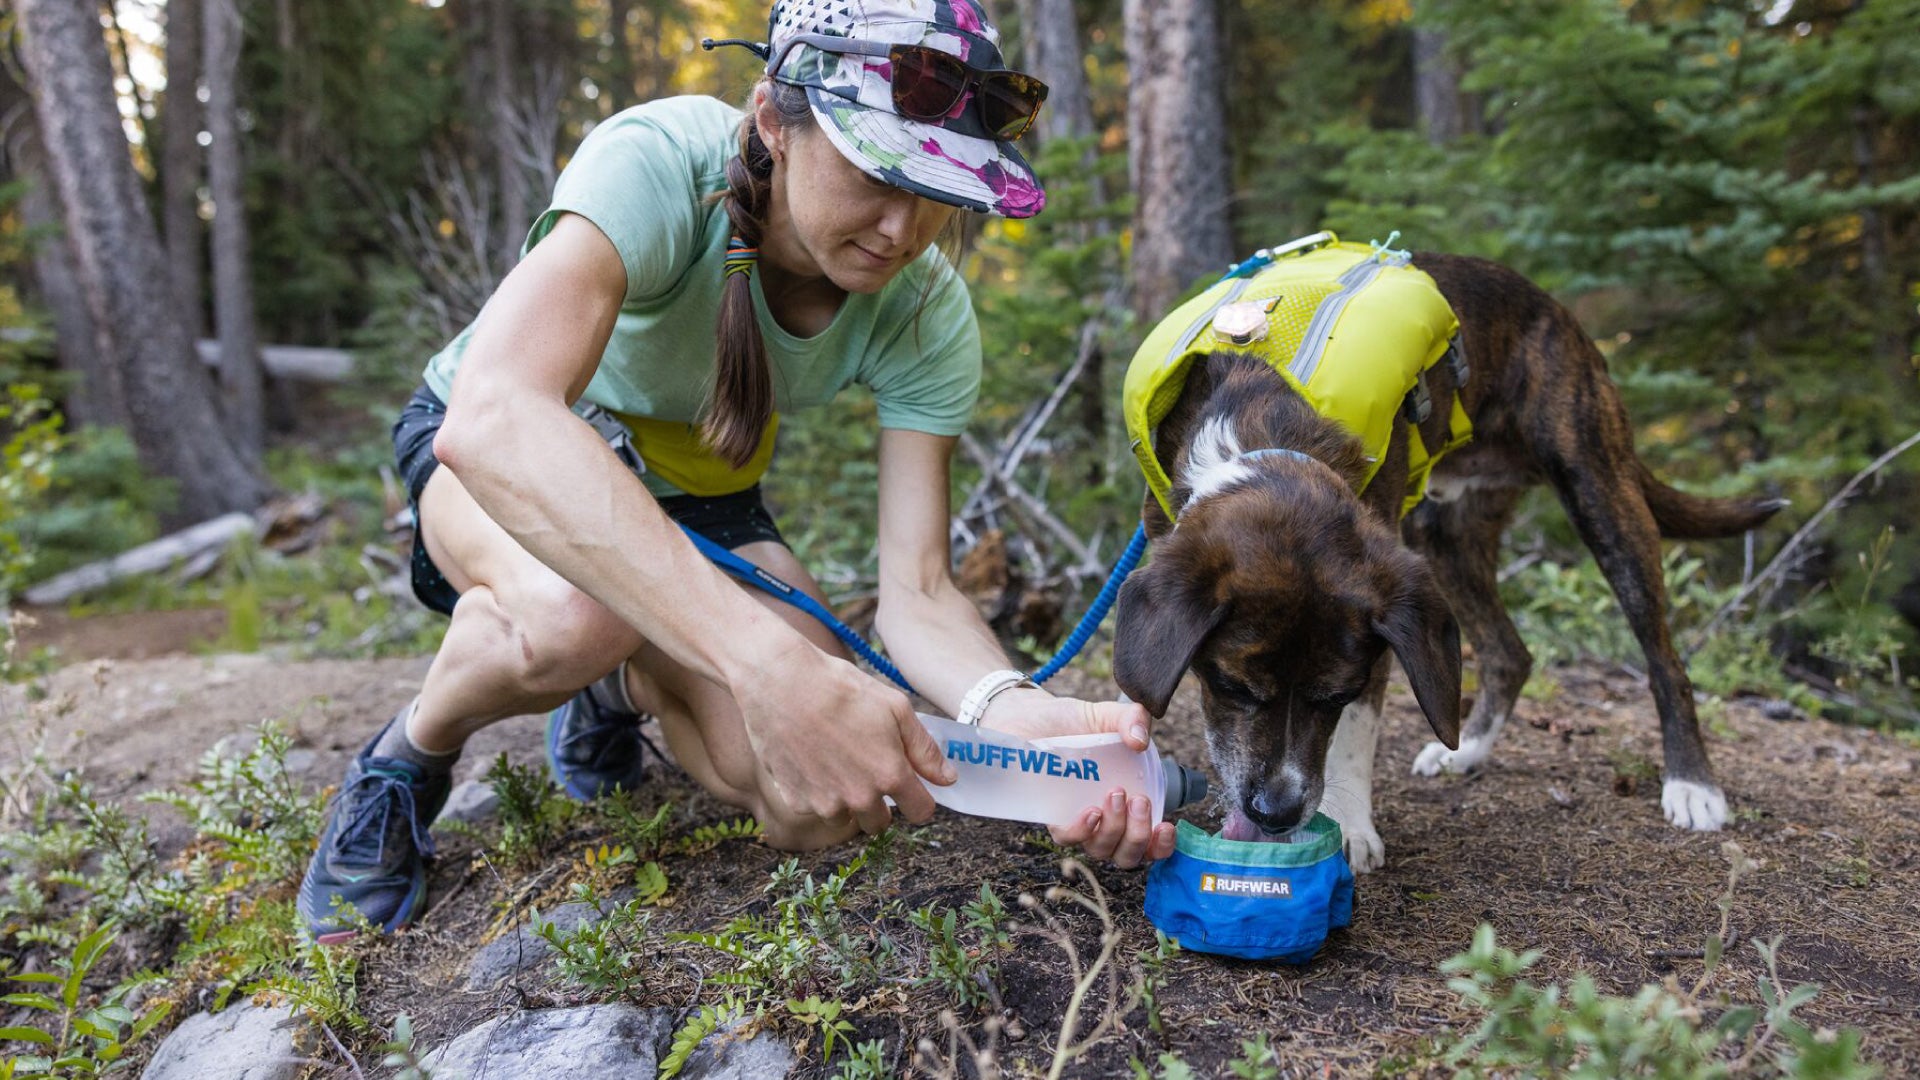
255	817
322	981
607	953
86	1040
1660	1031
1171	1067
868	1061
951	964
825	1017
399	1055
703	1022
1257	1061
533	812
1153	976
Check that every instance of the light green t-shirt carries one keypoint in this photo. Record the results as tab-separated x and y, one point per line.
646	178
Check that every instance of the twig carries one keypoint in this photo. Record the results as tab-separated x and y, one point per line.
335	1040
1027	502
1779	560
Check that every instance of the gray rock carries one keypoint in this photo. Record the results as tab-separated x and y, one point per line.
470	801
559	1044
510	954
246	1042
611	1040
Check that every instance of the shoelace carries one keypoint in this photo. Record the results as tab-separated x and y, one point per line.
599	718
374	797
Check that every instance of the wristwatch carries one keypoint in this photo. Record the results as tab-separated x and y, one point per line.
974	705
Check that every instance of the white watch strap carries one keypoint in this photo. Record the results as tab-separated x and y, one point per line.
995	683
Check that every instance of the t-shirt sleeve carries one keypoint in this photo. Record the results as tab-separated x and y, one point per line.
636	182
927	376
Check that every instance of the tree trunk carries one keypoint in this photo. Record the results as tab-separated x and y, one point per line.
1445	112
620	62
241	383
95	397
180	163
516	197
1176	134
175	422
1051	40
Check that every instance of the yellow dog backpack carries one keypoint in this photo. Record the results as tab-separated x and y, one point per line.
1352	328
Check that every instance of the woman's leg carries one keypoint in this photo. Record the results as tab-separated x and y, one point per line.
704	729
522	639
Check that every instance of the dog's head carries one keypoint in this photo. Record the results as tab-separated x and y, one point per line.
1281	594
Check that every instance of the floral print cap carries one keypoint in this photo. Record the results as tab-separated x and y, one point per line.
953	161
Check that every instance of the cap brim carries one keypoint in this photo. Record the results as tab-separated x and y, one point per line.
933	162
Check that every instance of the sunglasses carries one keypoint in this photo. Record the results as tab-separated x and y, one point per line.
928	84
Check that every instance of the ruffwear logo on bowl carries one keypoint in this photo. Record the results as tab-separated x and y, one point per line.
1234	885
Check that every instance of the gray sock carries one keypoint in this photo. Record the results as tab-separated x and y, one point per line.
611	692
394	743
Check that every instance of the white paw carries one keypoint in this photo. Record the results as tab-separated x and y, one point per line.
1365	852
1692	805
1435	758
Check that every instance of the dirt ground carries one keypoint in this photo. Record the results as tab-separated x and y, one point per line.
1557	843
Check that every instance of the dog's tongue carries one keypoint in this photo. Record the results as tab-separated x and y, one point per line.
1239	827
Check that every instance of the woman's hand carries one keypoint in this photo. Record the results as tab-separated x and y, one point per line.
1120	829
835	742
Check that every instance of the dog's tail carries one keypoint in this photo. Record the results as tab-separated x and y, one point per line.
1692	517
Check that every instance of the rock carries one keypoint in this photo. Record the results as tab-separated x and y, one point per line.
510	954
470	801
246	1042
559	1044
1779	709
611	1040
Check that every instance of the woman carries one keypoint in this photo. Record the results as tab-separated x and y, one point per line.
698	272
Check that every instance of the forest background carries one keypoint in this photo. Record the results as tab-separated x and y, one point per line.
1726	193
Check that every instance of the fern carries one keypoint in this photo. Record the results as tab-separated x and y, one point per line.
706	1020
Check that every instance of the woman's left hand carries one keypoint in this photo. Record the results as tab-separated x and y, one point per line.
1121	828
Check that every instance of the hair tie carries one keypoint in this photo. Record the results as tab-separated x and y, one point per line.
740	258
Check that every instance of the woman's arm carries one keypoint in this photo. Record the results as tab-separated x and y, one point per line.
559	491
940	643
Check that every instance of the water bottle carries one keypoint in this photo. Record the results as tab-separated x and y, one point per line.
1053	781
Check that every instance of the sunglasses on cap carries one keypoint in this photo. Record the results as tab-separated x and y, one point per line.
928	83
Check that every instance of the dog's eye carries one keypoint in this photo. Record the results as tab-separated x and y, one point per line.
1235	689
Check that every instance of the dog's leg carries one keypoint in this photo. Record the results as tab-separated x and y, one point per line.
1461	540
1348	797
1611	515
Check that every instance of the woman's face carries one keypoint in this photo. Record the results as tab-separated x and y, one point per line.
830	219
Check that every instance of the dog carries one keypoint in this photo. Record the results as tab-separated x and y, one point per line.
1290	577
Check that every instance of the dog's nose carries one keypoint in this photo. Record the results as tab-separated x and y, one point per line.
1276	812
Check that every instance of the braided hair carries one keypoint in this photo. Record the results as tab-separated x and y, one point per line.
741	403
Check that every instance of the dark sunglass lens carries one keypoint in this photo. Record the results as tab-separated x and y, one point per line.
1009	103
926	82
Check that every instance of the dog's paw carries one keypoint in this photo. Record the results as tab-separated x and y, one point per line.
1435	758
1365	852
1693	805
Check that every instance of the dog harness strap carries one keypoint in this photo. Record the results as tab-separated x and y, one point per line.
990	686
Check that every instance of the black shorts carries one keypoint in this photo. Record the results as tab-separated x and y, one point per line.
728	520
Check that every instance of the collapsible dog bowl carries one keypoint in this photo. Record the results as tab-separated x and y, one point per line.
1256	901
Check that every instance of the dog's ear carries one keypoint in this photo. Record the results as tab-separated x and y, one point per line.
1158	629
1419	626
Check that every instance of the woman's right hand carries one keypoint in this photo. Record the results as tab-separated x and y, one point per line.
835	741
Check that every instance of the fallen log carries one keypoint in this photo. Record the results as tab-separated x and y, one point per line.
296	362
213	535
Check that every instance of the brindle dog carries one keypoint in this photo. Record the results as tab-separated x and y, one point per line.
1283	590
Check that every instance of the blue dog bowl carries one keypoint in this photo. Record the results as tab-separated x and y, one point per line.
1256	901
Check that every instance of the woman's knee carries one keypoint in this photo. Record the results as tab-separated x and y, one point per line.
555	639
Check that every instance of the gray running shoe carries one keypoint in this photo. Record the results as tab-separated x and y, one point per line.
373	853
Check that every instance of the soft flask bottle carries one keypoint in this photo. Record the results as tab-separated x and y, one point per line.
1051	781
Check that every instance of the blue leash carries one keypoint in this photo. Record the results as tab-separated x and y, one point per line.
780	590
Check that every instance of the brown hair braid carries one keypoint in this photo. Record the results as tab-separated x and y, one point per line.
742	400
